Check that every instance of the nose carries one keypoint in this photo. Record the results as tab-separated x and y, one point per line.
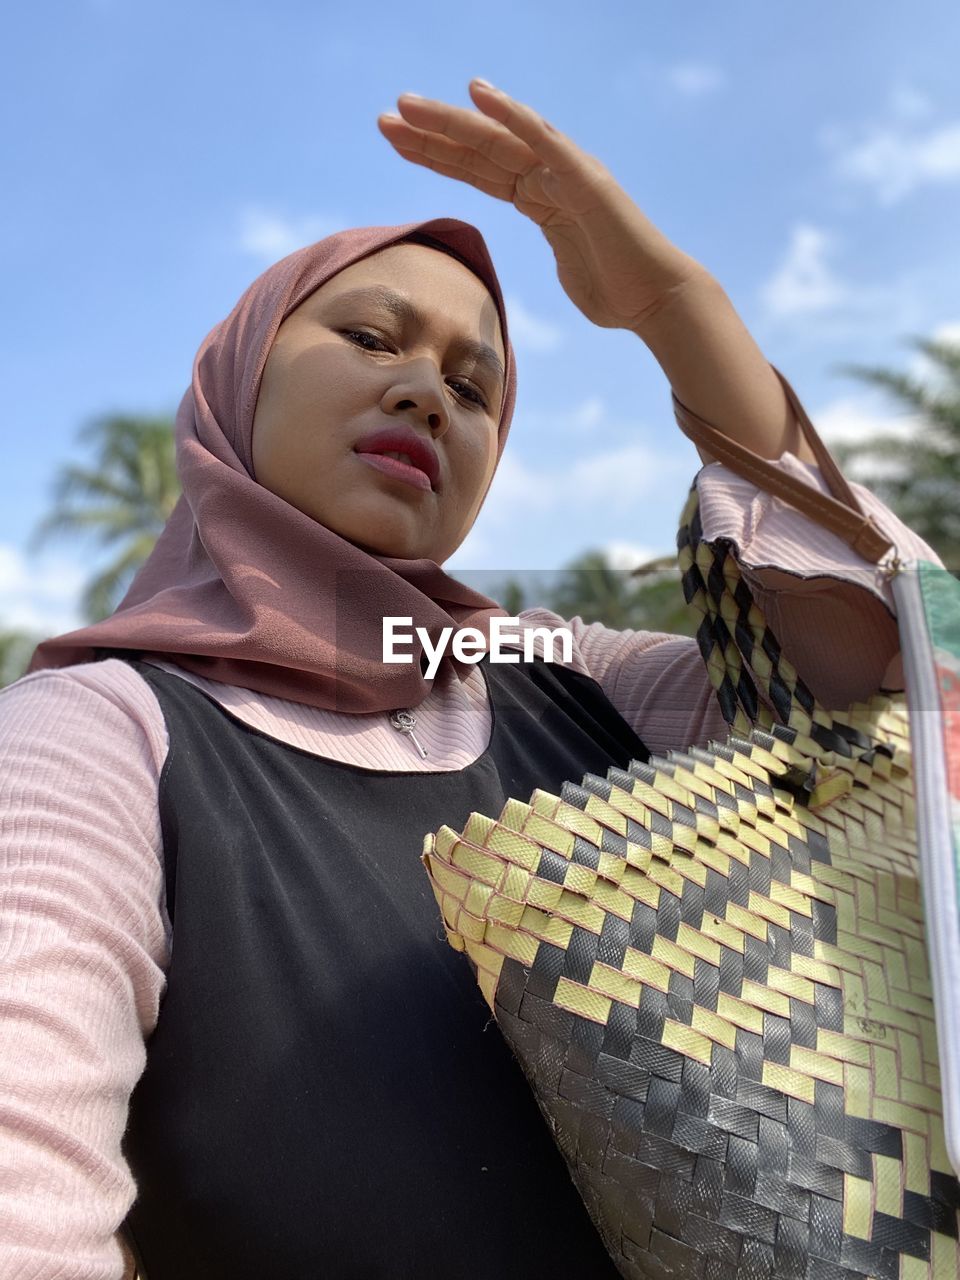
418	387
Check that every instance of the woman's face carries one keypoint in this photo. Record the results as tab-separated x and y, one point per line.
347	364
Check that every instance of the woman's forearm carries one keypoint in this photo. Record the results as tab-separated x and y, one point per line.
717	370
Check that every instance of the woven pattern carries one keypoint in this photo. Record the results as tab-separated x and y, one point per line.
712	970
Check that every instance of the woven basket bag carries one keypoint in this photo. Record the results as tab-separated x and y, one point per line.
712	966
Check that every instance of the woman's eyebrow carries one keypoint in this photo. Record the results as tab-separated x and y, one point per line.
407	312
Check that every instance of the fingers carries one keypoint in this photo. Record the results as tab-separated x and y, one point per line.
460	125
448	158
549	145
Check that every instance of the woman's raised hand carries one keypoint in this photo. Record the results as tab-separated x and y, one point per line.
612	261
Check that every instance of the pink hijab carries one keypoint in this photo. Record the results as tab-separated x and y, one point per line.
244	588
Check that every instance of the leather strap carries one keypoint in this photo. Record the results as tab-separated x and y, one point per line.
841	514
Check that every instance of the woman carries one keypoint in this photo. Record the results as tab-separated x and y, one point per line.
229	1014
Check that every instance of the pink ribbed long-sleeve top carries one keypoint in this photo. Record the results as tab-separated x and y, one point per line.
84	935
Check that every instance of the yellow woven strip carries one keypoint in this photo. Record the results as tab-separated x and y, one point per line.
886	1072
710	1024
917	1269
639	965
672	956
581	1000
887	1180
911	1057
514	814
505	911
754	840
943	1257
664	876
544	894
641	887
520	946
586	914
830	954
791	984
788	1081
514	848
761	906
450	881
816	1064
835	1045
478	864
712	857
790	898
741	1014
517	882
469	926
547	927
548	835
613	900
765	998
478	896
921	1095
687	1041
611	867
580	879
857	1091
908	1016
440	844
627	803
580	823
598	808
916	1169
743	919
477	828
487	983
693	940
816	970
857	944
721	932
484	957
616	984
857	1206
889	1112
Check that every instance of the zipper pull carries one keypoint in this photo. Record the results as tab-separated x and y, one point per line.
403	722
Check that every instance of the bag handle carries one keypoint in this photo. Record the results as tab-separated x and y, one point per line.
841	514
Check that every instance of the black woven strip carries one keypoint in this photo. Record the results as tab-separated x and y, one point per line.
884	1139
749	1218
791	1249
759	872
691	904
869	1258
749	1054
772	1147
657	1058
903	1237
731	971
668	915
756	960
763	1100
695	1089
779	945
802	1128
826	1226
706	984
841	1155
623	1077
552	866
828	1104
801	933
694	1134
945	1189
738	884
643	927
824	921
924	1212
545	973
819	1179
723	1072
586	854
756	1261
803	1024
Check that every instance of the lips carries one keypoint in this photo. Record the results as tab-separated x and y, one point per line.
397	439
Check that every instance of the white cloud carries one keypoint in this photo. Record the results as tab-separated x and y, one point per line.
922	366
628	555
849	420
271	236
895	157
695	79
39	595
804	283
530	332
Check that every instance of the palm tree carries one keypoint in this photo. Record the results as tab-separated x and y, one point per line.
16	650
123	498
644	599
918	477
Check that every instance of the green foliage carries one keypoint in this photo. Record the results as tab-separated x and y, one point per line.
123	497
648	600
919	478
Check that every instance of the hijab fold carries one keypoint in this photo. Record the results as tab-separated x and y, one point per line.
244	588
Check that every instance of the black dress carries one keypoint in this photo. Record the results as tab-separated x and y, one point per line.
326	1094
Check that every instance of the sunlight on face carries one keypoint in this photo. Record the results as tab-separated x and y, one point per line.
346	363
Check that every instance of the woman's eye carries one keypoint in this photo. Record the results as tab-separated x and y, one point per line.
361	333
472	395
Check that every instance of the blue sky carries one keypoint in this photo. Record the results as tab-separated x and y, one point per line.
157	158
